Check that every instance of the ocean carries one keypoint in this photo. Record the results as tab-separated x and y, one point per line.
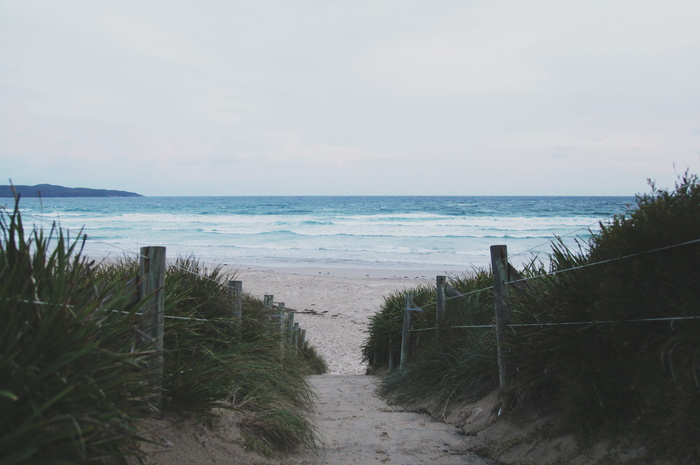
426	233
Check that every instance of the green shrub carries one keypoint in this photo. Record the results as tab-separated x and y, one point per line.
384	340
617	373
460	364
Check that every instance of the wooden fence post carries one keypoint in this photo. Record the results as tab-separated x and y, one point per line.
235	291
151	287
440	308
295	336
281	314
290	328
499	265
268	302
406	334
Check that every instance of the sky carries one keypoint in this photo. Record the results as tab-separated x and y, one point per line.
356	97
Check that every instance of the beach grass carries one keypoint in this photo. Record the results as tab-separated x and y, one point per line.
70	383
635	367
613	350
72	380
459	365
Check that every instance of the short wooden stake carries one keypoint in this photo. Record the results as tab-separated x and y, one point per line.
152	289
295	336
268	302
441	307
290	328
406	334
281	314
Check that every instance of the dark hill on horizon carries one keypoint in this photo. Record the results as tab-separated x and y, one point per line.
50	190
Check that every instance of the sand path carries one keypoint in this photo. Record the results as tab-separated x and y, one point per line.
333	308
357	427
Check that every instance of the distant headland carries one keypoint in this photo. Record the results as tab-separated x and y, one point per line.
49	190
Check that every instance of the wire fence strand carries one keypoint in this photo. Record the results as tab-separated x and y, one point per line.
625	257
601	262
172	317
582	323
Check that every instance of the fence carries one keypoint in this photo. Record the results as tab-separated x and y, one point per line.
505	278
504	274
151	332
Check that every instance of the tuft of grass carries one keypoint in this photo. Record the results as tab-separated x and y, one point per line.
459	365
313	362
278	429
71	386
384	329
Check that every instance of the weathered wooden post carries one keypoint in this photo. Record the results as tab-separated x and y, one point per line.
152	289
499	265
295	336
406	334
235	291
440	307
290	328
302	338
281	315
268	302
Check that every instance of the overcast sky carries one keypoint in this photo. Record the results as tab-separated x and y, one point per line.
366	97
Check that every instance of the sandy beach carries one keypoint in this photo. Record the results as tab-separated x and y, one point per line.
332	304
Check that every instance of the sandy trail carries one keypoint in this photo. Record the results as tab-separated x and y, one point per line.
333	309
359	428
355	427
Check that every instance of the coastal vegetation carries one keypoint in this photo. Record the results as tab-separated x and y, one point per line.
72	378
51	190
609	335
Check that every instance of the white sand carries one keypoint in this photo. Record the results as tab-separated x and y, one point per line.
342	300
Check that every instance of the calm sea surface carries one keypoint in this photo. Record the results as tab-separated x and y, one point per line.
450	233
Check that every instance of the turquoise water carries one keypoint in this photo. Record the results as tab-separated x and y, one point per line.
390	232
